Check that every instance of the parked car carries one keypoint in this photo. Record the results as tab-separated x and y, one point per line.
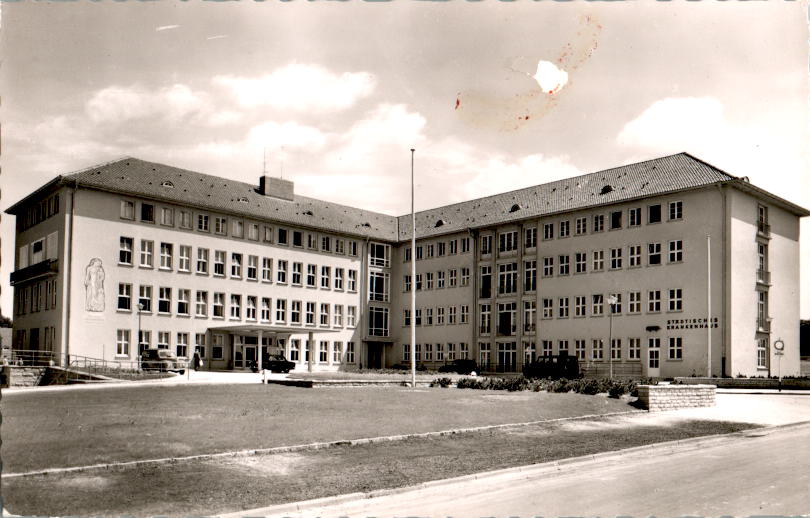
277	363
552	366
406	366
161	360
461	367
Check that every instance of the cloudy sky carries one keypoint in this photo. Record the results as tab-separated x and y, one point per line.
494	96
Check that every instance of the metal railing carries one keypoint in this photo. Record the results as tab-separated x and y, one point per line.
45	358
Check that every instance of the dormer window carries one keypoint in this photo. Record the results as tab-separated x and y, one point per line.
167	183
242	199
606	189
514	208
439	223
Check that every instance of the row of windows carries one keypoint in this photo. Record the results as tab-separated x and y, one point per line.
221	265
38	250
220	225
436	352
248	307
339	353
453	314
506	322
36	297
576	263
439	279
614	220
584	350
41	211
439	249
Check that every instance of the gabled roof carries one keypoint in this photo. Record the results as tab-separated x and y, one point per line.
131	176
653	177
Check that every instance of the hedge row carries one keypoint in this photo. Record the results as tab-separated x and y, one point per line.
614	388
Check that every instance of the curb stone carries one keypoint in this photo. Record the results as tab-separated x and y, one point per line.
530	470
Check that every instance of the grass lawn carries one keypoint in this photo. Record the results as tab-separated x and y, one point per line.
216	486
78	427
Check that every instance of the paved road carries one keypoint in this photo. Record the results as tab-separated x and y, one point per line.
764	472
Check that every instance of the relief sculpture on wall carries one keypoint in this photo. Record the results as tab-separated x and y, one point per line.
94	286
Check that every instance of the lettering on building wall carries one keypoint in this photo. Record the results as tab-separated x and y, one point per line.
693	323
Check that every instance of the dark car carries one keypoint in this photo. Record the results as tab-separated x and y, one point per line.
278	363
161	360
552	366
461	367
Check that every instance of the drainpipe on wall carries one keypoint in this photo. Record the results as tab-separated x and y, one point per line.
66	292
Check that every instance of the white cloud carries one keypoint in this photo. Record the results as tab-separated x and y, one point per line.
166	28
550	78
286	135
299	87
119	104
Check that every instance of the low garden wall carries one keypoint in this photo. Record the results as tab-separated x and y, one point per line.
761	383
673	397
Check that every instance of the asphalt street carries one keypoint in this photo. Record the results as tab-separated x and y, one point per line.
760	472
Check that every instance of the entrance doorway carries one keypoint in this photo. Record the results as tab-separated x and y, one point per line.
653	357
250	355
374	356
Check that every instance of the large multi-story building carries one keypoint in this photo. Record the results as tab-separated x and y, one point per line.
658	268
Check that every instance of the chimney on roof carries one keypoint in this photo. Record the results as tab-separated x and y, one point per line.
276	187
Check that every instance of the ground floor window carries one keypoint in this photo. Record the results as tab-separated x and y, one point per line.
122	342
762	353
163	339
529	352
464	351
295	349
675	348
507	356
217	347
634	351
323	352
144	341
579	346
199	344
337	352
597	352
616	349
428	352
182	345
406	352
484	353
439	352
654	346
349	352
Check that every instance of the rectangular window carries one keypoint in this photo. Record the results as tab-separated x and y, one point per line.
615	258
220	226
439	316
562	346
281	311
565	228
675	348
145	299
762	353
217	347
676	299
124	296
124	252
338	315
295	312
429	280
529	316
122	342
252	268
419	253
267	269
634	255
352	248
440	279
530	238
598	305
147	253
548	308
166	256
185	219
127	209
337	352
507	241
236	307
465	244
339	274
182	345
654	214
616	305
184	259
351	316
581	226
548	266
326	244
465	276
352	282
486	245
429	251
465	314
675	210
452	246
312	272
598	260
563	307
199	344
324	315
598	222
202	261
507	321
147	213
164	340
281	271
675	251
202	304
237	228
167	216
579	306
507	278
615	220
579	348
340	248
183	301
349	352
634	349
202	222
485	319
565	265
326	277
529	275
165	300
452	276
597	350
310	314
616	349
634	217
548	231
653	254
377	321
219	263
654	301
218	307
634	302
379	255
253	232
250	307
581	262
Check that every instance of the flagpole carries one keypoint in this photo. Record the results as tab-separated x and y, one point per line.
413	281
709	305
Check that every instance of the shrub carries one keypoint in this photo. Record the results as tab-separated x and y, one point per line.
441	382
471	383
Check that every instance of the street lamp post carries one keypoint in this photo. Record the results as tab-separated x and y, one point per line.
612	300
140	308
